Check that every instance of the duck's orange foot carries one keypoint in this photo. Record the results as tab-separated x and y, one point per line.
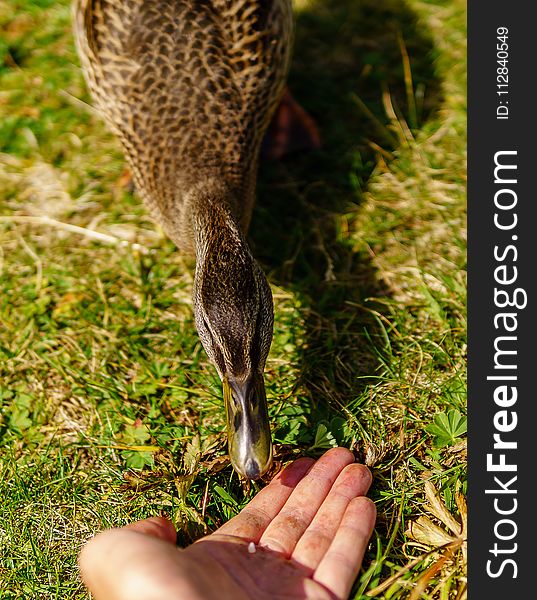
125	181
292	129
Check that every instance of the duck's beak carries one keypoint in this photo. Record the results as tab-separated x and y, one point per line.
248	429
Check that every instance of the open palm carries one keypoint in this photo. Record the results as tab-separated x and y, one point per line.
310	527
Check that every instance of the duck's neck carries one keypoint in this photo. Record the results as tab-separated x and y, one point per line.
213	220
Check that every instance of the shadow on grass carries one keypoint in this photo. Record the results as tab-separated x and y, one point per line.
347	53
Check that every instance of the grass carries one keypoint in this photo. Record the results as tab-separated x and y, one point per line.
110	411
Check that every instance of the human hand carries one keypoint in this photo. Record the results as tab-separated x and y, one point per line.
310	527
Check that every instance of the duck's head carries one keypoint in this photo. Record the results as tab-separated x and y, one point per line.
234	317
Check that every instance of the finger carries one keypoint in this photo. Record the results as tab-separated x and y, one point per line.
121	564
341	563
353	481
283	533
250	523
158	527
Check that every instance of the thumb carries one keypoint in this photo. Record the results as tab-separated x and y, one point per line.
158	527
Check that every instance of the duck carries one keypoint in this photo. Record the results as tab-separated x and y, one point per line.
189	87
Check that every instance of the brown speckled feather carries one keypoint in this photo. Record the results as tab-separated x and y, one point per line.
189	87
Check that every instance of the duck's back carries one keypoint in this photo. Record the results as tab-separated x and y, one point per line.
189	87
